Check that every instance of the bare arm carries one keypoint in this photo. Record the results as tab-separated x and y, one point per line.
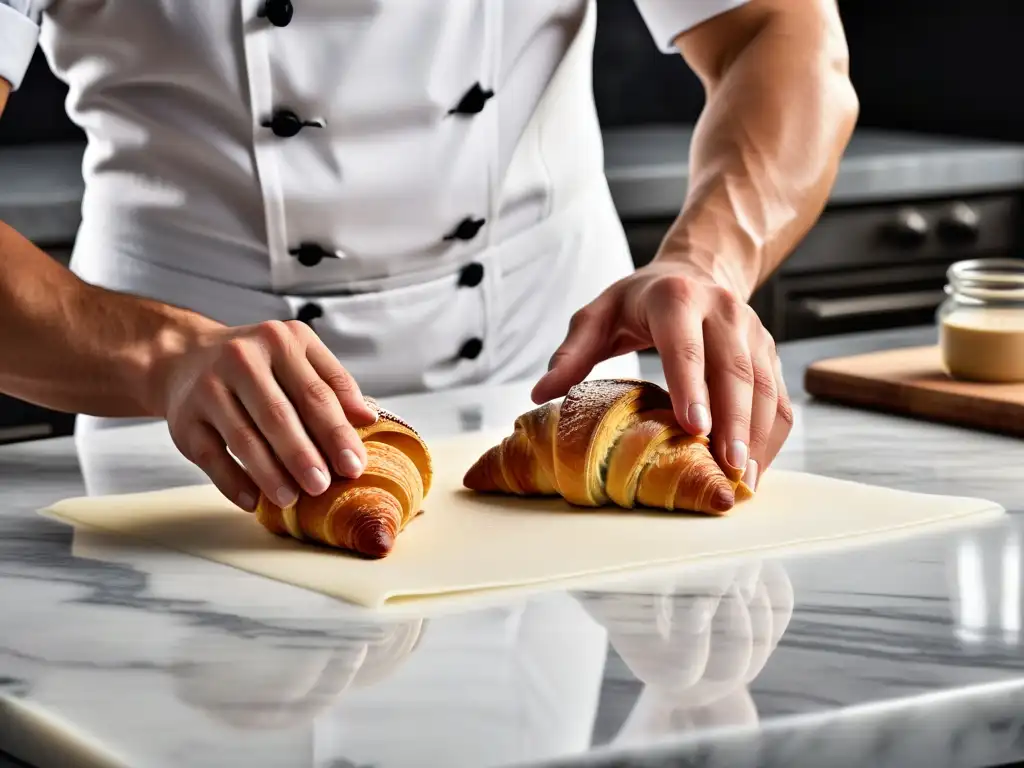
780	111
71	346
272	394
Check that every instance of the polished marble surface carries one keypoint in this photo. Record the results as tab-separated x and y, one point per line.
114	653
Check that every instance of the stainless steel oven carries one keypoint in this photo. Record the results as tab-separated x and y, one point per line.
883	266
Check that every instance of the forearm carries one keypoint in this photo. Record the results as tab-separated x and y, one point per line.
766	149
71	346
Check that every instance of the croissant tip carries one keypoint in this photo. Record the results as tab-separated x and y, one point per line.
743	492
376	542
723	500
477	478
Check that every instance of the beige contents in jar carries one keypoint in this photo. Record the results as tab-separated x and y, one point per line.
984	344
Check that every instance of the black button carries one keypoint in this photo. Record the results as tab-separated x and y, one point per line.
472	102
285	123
471	349
277	12
311	254
466	230
308	313
471	275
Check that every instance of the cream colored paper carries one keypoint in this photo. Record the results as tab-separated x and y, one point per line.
467	543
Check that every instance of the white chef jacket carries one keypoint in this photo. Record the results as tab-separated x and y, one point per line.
420	180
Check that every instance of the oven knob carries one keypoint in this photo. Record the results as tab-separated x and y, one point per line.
909	229
960	224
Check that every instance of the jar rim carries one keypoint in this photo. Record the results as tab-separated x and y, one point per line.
987	268
996	280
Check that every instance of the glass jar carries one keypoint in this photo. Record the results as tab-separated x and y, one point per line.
981	322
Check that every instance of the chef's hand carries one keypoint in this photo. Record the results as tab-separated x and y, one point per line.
274	396
720	362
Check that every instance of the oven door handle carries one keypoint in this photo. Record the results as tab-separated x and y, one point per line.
856	306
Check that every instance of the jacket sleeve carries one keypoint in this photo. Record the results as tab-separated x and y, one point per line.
19	32
667	19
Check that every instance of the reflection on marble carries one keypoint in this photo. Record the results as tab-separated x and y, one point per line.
520	682
894	654
695	644
260	686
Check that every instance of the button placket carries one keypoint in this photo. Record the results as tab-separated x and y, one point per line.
285	123
469	106
258	40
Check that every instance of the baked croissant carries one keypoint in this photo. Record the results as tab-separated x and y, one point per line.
609	441
364	515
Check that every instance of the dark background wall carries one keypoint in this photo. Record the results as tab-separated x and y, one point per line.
938	66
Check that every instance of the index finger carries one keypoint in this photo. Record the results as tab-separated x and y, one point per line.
783	425
343	384
323	415
276	418
678	335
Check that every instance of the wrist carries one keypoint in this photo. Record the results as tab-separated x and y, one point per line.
160	358
726	268
713	232
711	239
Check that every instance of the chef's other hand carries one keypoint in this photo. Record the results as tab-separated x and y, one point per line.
274	396
720	362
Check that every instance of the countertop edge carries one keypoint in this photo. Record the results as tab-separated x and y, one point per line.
905	726
647	169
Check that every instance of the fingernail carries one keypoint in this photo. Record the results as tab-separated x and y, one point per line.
750	476
317	480
372	408
349	464
699	418
246	502
736	454
285	496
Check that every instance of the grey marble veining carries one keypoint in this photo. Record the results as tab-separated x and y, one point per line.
116	653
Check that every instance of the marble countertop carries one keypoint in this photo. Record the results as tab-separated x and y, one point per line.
647	168
900	654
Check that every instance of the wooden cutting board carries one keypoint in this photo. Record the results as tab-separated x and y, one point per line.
912	382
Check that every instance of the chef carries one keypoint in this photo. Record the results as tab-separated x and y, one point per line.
322	197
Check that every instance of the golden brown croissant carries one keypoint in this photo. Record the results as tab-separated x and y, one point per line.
609	441
367	514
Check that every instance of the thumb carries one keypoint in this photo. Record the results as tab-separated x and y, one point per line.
582	349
